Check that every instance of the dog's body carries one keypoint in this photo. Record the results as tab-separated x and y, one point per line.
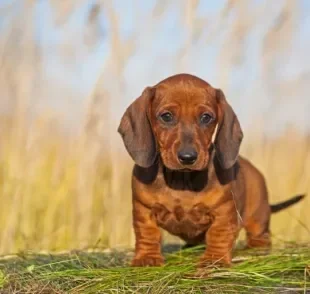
188	178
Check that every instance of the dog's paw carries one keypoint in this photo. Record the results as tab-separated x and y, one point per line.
214	261
148	261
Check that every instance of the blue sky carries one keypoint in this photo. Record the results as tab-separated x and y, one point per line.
155	56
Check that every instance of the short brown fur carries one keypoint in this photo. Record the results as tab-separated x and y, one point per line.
207	201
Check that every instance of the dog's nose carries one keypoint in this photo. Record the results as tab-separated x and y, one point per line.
187	157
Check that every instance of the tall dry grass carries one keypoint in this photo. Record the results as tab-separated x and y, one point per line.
60	191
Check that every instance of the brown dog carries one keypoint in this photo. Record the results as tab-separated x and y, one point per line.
188	179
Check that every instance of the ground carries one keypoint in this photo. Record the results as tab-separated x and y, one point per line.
284	270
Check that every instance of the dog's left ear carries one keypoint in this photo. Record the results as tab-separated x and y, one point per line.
136	130
229	136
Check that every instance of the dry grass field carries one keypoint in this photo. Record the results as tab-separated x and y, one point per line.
51	199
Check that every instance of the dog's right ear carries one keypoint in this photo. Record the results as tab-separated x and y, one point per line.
136	130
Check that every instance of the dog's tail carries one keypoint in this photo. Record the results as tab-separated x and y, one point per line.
285	204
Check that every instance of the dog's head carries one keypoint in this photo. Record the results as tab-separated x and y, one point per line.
179	119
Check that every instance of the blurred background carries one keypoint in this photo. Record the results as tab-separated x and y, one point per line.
68	70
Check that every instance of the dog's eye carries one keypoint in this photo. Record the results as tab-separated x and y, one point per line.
166	117
206	118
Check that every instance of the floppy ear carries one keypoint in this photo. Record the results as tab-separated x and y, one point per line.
229	137
136	130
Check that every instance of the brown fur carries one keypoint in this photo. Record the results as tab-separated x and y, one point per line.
208	201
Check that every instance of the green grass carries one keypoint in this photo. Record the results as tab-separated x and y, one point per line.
109	272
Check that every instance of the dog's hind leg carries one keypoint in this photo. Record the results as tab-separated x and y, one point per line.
257	231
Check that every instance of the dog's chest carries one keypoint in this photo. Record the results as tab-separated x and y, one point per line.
182	218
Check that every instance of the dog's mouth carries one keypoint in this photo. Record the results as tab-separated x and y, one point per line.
183	169
186	170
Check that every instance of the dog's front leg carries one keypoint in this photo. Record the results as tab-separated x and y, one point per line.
148	237
221	237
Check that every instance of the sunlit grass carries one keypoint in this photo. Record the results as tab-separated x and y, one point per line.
44	203
82	272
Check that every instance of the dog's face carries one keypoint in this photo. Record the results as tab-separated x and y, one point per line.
183	119
179	119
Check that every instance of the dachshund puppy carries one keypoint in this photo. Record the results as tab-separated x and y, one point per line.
188	176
